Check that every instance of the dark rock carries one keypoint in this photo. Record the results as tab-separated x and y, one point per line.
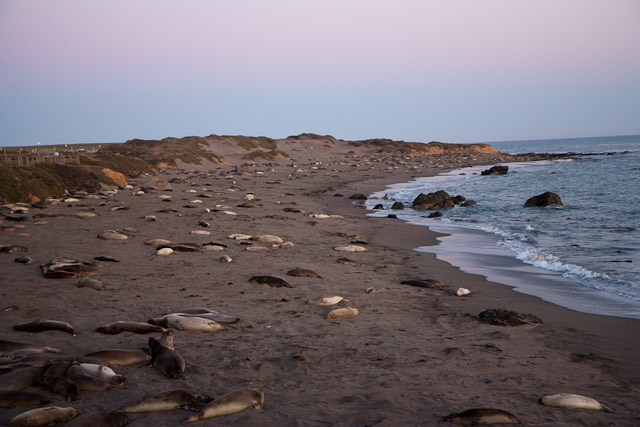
503	317
106	258
392	216
544	199
468	203
397	206
438	200
378	206
273	281
10	249
435	214
426	283
303	272
495	170
458	199
358	196
24	259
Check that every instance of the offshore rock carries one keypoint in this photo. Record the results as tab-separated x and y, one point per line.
544	199
496	170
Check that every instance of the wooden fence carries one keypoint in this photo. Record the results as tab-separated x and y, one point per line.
12	157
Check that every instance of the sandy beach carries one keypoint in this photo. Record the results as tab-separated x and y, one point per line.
412	356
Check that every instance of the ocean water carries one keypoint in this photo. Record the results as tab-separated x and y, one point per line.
584	255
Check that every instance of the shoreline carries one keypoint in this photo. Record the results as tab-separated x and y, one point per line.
412	356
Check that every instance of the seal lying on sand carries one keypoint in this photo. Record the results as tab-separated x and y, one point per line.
168	401
479	416
44	416
230	404
119	357
135	327
188	322
45	325
566	400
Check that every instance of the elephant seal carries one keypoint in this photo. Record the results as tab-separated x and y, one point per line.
230	404
46	325
12	347
135	327
44	416
166	360
273	281
13	398
62	386
168	401
479	416
21	378
119	357
566	400
343	313
108	419
166	339
188	323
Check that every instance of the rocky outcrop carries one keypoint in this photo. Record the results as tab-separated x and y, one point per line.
438	200
496	170
397	206
544	199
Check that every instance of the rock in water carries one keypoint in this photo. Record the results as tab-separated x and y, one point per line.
397	206
438	200
544	199
495	170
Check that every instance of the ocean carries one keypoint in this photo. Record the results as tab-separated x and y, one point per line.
584	255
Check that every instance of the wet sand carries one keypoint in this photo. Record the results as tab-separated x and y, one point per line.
412	355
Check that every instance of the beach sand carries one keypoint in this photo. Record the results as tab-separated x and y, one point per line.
412	356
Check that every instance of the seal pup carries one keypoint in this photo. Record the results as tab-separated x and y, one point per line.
13	398
228	404
166	360
135	327
197	312
479	416
567	400
273	281
46	325
13	347
168	401
44	416
119	357
343	313
189	323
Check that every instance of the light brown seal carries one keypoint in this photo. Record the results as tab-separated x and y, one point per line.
343	313
168	401
567	400
230	404
119	357
44	416
480	416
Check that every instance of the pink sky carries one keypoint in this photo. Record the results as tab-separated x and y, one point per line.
450	70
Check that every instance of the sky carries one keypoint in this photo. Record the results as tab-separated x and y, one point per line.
74	71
